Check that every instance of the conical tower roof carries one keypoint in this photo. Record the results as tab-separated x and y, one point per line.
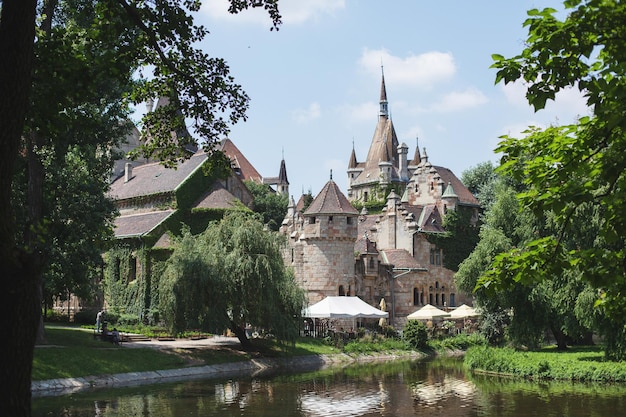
330	201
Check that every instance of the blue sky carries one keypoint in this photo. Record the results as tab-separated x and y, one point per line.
315	84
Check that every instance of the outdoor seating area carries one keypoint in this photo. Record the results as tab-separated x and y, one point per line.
440	323
106	335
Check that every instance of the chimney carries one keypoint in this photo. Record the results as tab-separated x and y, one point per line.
128	172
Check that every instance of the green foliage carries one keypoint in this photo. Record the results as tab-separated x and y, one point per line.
580	364
368	345
230	275
268	203
480	181
415	334
460	238
458	342
566	167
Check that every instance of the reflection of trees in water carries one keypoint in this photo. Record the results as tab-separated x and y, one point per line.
424	388
514	397
440	387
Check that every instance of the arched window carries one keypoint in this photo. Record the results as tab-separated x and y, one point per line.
436	299
371	263
452	300
416	296
443	300
342	291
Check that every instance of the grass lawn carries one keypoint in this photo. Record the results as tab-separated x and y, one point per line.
73	352
585	363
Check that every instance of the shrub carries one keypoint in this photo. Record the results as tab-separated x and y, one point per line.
416	334
85	317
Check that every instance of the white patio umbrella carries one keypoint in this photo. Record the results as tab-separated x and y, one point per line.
383	307
428	312
464	312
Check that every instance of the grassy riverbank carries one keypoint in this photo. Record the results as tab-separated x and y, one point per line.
583	364
73	352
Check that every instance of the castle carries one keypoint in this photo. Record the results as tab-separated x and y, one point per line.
336	250
333	248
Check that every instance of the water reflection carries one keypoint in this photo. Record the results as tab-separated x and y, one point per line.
422	388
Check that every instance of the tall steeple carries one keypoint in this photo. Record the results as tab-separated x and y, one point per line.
384	108
283	182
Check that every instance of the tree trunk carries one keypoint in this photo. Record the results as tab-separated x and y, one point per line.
19	270
560	337
240	332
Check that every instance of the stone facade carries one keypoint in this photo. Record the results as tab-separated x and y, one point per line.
335	250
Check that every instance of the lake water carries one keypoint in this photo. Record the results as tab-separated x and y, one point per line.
437	387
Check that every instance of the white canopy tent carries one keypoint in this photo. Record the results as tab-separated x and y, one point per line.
428	312
339	307
464	312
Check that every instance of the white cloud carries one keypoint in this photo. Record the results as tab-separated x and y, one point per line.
292	11
306	115
299	11
422	70
569	102
362	112
460	100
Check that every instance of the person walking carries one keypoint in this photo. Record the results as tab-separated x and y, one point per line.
98	321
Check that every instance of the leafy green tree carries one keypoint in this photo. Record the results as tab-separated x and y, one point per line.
230	276
536	309
118	38
271	205
564	167
415	334
480	180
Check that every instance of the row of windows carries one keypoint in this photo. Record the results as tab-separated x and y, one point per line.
435	256
435	299
313	219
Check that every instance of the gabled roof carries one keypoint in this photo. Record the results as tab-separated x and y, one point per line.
399	258
430	220
464	195
330	201
154	178
365	246
135	225
239	162
218	197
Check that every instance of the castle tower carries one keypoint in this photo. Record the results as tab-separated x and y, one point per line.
321	247
381	167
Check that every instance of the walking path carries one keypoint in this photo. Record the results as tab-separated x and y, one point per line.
253	367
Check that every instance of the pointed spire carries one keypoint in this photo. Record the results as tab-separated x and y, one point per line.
383	96
282	174
353	163
331	174
417	158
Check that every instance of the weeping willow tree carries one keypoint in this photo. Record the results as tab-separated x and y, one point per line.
231	275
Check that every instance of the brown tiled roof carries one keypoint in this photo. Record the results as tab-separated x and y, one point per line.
430	220
241	164
363	245
139	224
399	258
154	178
217	197
367	223
330	201
465	196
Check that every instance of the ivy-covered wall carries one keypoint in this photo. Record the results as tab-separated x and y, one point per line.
134	267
